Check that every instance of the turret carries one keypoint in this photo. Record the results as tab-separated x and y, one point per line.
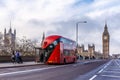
10	30
43	37
15	32
5	31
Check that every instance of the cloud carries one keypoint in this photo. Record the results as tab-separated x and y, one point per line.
33	17
105	8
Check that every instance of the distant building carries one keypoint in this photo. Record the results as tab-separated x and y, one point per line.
98	55
90	53
116	56
105	41
9	39
1	42
1	39
87	54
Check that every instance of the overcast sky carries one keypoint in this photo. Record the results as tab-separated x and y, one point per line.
31	18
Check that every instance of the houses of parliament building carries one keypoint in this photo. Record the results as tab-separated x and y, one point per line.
91	53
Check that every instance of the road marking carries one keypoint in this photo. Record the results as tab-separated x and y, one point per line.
115	69
27	71
112	71
104	67
111	76
117	64
100	70
93	77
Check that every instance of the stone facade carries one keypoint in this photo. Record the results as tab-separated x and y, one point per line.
9	40
87	54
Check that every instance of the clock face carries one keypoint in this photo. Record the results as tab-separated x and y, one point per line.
105	37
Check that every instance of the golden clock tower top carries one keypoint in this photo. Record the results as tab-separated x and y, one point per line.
106	30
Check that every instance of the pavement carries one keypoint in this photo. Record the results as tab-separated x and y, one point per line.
11	65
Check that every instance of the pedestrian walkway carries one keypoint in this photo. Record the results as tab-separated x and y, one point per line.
10	65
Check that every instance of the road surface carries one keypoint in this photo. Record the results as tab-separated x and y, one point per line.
109	71
75	71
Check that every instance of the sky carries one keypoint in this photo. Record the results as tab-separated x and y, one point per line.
31	18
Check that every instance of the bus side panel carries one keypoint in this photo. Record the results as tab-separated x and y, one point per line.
61	52
55	56
68	58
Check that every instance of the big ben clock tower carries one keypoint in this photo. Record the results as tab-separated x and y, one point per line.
105	41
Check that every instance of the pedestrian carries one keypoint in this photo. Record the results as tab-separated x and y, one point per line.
41	57
13	57
20	58
17	57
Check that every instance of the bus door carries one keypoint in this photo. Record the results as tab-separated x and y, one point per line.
38	54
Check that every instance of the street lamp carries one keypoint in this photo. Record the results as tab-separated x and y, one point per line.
77	30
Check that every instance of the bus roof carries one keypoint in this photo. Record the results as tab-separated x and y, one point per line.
48	40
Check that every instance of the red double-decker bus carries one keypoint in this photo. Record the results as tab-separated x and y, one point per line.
58	49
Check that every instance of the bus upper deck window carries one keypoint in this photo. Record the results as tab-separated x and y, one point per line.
55	43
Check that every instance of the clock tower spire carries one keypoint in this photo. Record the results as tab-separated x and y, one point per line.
105	41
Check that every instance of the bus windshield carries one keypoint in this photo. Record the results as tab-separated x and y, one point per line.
49	49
